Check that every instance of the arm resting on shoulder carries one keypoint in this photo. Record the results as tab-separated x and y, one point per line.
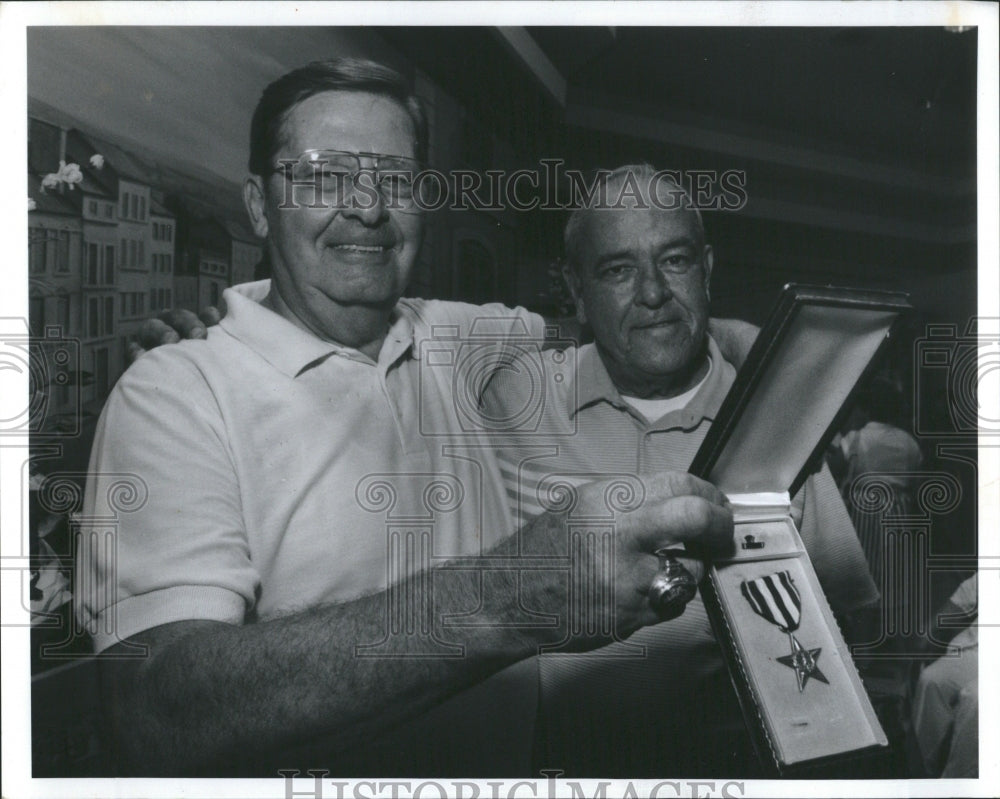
172	325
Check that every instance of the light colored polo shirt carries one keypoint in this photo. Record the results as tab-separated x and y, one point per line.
277	472
649	693
582	429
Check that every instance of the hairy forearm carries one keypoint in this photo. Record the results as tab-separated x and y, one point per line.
223	696
215	698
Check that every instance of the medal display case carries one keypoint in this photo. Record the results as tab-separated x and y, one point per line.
801	694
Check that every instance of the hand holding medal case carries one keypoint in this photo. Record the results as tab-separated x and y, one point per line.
799	688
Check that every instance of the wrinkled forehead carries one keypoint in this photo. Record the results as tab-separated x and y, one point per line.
353	121
639	228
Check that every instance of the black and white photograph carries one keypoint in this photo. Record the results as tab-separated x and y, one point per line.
458	399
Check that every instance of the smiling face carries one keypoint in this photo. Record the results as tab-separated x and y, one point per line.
641	283
338	271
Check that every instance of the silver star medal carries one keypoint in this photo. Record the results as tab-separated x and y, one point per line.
775	598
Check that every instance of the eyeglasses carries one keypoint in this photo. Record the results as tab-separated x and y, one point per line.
339	179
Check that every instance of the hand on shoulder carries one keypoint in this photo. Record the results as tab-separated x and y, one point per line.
172	326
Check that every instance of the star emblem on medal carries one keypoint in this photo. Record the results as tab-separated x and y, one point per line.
775	598
805	663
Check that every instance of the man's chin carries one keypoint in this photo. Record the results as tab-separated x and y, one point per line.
665	344
667	372
679	361
375	291
375	301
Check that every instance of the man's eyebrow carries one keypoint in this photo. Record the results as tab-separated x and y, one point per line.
626	252
681	241
613	256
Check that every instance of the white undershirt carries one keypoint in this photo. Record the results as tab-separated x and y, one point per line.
653	409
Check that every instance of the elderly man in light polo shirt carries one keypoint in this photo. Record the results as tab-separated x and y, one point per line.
638	400
284	491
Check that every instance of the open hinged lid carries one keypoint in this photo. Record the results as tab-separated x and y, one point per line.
789	396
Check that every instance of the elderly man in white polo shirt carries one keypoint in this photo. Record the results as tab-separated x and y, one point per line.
286	487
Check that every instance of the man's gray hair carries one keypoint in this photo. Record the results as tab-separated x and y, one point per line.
615	178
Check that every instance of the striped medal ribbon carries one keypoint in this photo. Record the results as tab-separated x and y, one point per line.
775	599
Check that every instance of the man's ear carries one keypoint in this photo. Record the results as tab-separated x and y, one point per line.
575	287
253	199
708	262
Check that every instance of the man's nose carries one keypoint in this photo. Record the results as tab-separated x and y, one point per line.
365	202
653	288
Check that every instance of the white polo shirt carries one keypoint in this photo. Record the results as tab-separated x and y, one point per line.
276	472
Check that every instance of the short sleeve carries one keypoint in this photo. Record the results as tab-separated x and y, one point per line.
492	323
255	290
521	323
162	537
483	341
833	545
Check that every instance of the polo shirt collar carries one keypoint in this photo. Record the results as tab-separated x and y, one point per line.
289	348
593	384
706	403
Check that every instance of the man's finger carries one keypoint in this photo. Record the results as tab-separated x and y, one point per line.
663	485
187	324
135	352
210	315
155	332
687	519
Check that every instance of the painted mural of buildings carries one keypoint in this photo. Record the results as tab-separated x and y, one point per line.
116	243
163	228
